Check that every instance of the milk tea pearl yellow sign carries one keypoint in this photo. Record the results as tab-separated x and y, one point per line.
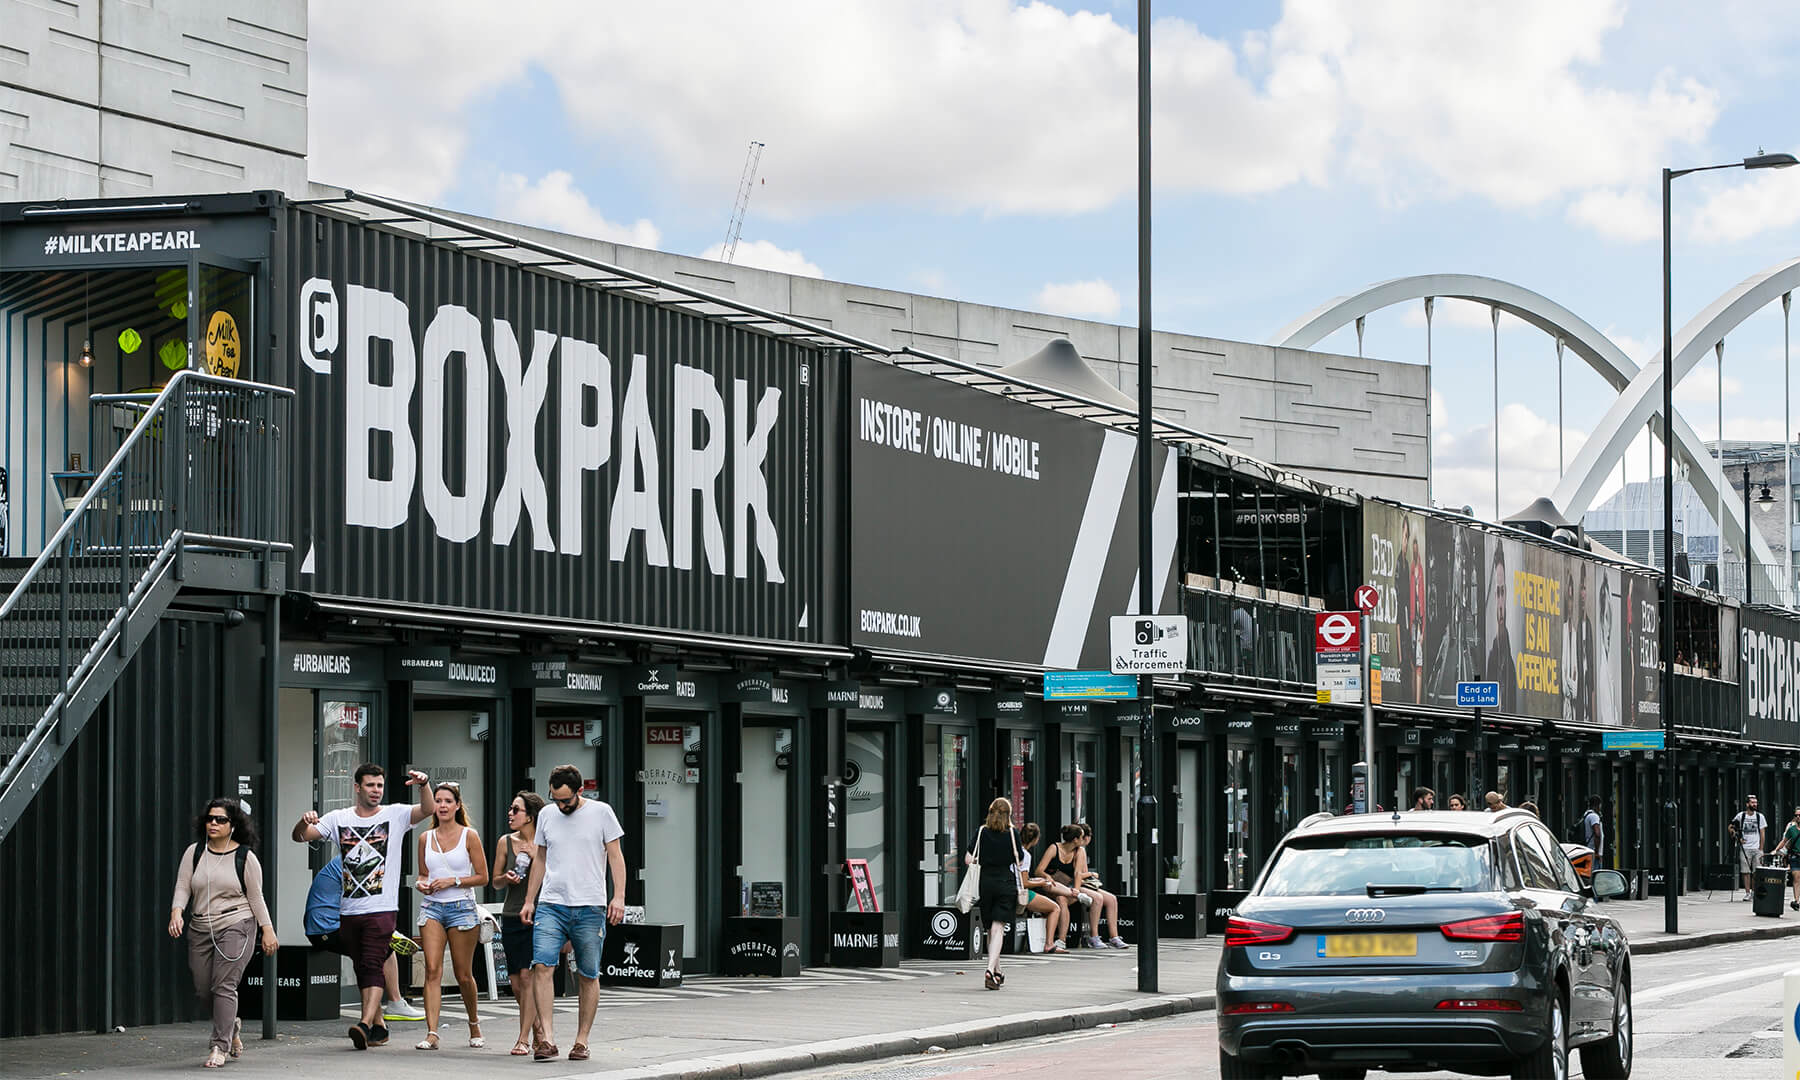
222	345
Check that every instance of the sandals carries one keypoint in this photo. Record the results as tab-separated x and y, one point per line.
991	982
476	1042
215	1059
429	1042
237	1041
521	1048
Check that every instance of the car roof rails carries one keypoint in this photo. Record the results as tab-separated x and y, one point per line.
1313	819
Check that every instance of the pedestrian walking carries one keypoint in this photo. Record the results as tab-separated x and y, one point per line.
995	848
1458	802
1593	829
1747	829
451	866
577	842
1790	846
1101	904
512	872
367	834
1495	802
1424	799
222	878
321	926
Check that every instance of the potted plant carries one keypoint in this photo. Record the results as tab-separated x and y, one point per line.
1172	874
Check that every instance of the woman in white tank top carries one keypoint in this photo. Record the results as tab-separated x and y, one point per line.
451	865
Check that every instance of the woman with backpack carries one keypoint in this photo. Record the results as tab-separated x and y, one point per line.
220	875
997	851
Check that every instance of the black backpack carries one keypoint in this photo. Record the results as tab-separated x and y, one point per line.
1578	831
243	856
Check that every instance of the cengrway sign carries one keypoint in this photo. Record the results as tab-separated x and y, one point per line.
1149	644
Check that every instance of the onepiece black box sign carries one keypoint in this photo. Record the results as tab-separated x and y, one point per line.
958	494
475	435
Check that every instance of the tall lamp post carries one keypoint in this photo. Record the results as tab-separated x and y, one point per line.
1671	858
1148	864
1764	500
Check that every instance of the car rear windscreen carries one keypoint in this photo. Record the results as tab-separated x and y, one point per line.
1350	865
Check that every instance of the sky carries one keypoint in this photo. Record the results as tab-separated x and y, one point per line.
985	150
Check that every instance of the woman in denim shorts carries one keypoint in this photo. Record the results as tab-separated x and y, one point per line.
453	864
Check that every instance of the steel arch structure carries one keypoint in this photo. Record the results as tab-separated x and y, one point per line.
1640	390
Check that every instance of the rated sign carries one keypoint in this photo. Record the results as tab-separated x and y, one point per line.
1336	631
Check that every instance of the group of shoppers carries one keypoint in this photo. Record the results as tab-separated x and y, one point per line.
551	867
1016	879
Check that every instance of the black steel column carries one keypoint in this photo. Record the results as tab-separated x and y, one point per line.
1746	526
1671	861
1149	866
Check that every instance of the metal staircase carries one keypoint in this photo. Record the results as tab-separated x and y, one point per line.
191	499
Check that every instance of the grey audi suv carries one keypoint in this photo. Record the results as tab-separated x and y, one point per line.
1423	941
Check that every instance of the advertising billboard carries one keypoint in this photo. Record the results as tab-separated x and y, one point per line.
475	435
1567	638
1769	650
959	493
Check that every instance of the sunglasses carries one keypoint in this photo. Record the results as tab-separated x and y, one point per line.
515	809
215	819
568	802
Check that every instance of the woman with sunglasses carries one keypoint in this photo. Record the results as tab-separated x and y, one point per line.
1790	846
512	855
453	864
220	875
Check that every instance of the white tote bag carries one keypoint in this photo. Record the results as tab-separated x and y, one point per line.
968	894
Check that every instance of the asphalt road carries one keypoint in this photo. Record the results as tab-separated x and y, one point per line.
1712	1013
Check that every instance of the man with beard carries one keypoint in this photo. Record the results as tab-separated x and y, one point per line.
1500	665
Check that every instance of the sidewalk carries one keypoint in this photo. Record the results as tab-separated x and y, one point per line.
715	1026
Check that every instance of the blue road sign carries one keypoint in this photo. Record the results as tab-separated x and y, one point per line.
1631	740
1075	685
1478	695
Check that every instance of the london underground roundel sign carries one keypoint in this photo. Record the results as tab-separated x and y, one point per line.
1335	631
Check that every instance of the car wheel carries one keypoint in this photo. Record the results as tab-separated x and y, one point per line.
1551	1060
1611	1059
1232	1067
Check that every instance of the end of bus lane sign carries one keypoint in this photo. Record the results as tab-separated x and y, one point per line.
1478	695
1148	644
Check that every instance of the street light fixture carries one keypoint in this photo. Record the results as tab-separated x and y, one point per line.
1671	860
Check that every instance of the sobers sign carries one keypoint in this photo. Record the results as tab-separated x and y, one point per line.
486	437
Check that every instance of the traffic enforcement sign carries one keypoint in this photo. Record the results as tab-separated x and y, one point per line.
1148	644
1368	597
1336	631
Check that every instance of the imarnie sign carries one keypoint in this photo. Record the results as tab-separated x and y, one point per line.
479	436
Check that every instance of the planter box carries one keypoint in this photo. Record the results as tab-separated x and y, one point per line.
865	939
642	954
761	945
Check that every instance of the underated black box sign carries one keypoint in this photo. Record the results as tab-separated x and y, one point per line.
946	935
756	945
1221	905
482	436
306	988
642	954
865	939
1181	915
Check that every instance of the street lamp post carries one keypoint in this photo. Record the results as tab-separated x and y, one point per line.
1149	866
1671	859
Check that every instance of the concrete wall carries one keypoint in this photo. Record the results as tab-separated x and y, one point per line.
103	98
1357	422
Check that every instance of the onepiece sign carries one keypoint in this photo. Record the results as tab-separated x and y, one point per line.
560	457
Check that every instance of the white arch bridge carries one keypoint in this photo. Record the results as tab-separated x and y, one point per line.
1640	389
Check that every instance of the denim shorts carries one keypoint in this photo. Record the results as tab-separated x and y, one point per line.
451	914
585	927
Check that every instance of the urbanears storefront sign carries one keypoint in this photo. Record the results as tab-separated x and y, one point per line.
955	489
483	437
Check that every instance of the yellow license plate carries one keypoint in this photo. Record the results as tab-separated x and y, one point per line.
1333	946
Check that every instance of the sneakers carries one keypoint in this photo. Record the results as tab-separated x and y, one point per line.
401	1010
403	946
1116	943
1096	943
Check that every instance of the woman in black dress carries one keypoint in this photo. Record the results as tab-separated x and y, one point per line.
996	847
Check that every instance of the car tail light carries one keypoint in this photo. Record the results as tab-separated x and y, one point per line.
1508	927
1257	1008
1241	931
1480	1005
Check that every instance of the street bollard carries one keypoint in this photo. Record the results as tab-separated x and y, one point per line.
1790	1024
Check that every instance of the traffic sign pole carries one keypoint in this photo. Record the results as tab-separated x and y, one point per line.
1368	706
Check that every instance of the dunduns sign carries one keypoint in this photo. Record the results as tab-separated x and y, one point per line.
479	436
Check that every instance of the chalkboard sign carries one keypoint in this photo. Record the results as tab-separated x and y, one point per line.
765	899
861	886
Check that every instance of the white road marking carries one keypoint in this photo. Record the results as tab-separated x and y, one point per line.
1657	993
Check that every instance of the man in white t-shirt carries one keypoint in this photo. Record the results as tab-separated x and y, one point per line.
1748	826
567	900
369	839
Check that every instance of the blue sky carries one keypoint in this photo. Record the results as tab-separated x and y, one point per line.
983	150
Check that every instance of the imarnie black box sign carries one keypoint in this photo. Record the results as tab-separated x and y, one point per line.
759	945
642	954
865	939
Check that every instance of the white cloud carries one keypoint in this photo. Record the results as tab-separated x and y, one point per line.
766	256
1629	216
1701	387
1080	299
1760	202
554	202
1463	461
1008	107
1449	311
1754	428
1639	350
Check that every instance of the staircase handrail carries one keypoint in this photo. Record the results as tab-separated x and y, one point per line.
114	465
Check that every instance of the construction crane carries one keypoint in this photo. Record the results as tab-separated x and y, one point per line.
745	182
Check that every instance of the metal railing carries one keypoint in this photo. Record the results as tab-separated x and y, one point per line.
1728	579
196	467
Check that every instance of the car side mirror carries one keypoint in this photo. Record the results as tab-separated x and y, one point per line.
1608	884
